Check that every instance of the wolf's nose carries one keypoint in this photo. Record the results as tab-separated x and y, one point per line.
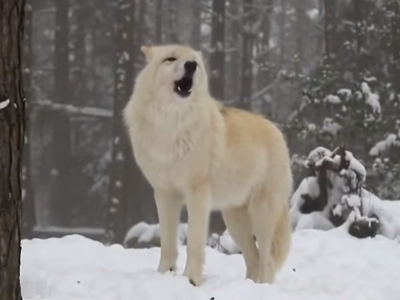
190	67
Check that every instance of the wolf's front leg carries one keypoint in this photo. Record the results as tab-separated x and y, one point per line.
169	209
198	207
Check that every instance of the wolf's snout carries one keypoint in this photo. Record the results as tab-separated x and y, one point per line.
190	67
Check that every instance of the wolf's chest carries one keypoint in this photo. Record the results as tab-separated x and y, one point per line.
163	155
164	147
163	165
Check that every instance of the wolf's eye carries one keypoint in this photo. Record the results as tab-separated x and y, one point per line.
171	59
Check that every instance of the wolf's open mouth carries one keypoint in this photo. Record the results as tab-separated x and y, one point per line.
183	87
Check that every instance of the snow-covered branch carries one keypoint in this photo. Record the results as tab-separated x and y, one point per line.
266	89
71	109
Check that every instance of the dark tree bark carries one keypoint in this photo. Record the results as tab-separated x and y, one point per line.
116	213
250	15
12	128
217	60
61	202
29	218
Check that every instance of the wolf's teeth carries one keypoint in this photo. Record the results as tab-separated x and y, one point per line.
189	91
179	88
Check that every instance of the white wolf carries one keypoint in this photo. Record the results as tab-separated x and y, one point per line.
198	153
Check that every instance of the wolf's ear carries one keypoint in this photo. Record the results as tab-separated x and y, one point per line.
147	51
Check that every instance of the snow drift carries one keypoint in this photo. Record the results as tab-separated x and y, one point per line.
321	265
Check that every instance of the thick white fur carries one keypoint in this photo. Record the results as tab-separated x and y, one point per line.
197	153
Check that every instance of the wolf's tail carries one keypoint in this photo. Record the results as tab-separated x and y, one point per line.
281	242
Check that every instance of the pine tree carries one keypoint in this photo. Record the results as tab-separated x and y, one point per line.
352	98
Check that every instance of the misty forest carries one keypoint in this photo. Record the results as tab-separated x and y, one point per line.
327	72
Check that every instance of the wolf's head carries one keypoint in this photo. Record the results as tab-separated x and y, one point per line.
173	72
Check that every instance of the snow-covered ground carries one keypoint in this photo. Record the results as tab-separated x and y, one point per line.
321	266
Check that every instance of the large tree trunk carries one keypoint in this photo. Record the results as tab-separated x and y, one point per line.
116	214
12	129
217	61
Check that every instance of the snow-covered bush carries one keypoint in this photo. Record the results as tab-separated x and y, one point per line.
365	119
223	243
333	196
143	235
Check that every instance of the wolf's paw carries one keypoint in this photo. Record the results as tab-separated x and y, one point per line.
164	267
252	274
266	276
195	278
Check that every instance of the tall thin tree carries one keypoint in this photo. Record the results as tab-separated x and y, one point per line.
248	33
116	213
196	24
217	61
29	218
159	22
12	129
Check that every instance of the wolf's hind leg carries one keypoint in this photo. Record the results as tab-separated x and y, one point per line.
264	219
238	222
